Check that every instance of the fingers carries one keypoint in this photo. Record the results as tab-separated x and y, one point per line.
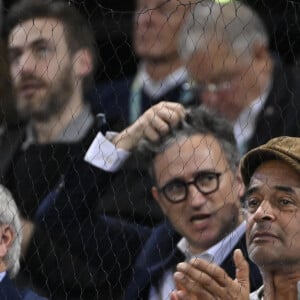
154	123
242	269
199	281
161	118
209	281
182	295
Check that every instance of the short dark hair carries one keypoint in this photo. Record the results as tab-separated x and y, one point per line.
78	33
200	120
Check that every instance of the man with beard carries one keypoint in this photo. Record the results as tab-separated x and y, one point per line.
51	56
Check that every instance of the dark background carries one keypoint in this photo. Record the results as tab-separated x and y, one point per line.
111	21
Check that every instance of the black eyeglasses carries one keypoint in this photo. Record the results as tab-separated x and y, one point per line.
177	190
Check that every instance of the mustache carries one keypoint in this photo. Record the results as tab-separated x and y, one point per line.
30	80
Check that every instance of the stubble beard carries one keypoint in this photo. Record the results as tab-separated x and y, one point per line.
57	96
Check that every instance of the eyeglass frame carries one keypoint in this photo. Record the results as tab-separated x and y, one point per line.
186	185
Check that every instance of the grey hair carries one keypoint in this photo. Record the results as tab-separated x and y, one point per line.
9	215
233	23
200	120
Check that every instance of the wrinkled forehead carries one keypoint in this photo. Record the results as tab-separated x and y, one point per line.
189	155
26	32
274	173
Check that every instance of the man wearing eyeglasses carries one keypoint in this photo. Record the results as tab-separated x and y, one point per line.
193	162
226	50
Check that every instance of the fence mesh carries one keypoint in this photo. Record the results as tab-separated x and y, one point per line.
100	234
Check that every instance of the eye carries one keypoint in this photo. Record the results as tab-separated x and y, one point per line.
252	204
41	51
285	201
174	187
204	179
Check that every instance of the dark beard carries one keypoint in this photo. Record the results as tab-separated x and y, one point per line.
58	96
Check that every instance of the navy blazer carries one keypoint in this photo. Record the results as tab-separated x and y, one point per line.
8	291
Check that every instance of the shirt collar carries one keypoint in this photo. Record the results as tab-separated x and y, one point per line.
2	275
73	132
218	252
155	89
244	126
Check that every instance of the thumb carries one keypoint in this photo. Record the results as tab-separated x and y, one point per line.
173	296
242	269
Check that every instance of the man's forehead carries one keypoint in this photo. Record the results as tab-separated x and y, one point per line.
273	173
37	28
203	151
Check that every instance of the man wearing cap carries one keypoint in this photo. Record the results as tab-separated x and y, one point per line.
271	174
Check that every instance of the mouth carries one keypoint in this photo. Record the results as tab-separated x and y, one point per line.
27	88
261	237
200	220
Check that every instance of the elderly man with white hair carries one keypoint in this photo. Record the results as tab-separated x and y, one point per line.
226	49
10	249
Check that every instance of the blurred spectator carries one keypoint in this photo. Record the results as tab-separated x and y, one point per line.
51	57
10	249
225	47
160	75
48	67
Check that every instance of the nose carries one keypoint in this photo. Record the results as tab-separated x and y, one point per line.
195	197
265	212
27	63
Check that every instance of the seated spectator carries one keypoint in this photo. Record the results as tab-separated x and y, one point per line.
51	56
193	159
271	174
10	249
160	75
226	49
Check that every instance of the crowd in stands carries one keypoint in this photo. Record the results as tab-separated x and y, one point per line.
180	183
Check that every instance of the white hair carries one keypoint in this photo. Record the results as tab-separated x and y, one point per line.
233	23
9	215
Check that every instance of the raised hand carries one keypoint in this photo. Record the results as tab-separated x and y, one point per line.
155	122
201	280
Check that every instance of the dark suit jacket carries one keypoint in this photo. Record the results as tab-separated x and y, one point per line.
112	98
124	255
281	112
8	291
30	175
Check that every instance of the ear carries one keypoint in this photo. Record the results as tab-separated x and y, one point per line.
239	184
156	196
6	239
82	63
262	60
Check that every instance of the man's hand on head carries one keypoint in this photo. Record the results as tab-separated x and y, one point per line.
202	280
153	124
